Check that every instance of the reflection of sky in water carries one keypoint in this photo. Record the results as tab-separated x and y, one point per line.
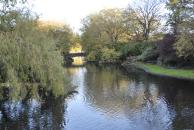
109	106
152	117
107	100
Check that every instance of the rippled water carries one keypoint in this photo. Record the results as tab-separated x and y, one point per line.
108	99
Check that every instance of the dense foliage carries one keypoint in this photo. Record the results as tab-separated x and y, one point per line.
29	58
102	33
112	34
185	29
137	31
63	36
135	49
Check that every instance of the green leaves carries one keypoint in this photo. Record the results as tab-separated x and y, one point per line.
102	33
28	55
185	45
181	20
109	55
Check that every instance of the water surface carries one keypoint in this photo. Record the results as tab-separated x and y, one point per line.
108	99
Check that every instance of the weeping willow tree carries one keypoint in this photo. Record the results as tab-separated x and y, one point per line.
28	56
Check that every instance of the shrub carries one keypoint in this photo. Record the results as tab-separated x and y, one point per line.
185	45
91	56
135	49
109	55
150	54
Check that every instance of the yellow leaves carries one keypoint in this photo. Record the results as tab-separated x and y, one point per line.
173	1
77	48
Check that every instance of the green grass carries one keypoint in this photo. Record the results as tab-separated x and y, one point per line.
178	73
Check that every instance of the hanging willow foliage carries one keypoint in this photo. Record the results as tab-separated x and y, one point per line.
29	56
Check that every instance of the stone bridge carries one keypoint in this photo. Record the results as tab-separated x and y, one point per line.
76	54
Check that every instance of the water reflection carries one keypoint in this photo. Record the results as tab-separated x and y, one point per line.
33	115
78	61
135	100
108	99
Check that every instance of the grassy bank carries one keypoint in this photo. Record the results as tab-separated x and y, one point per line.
158	70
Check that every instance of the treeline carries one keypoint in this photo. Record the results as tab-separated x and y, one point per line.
30	56
139	32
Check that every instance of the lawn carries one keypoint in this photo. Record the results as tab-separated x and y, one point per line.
155	69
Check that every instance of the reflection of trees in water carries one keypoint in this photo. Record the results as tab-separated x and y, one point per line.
104	87
153	111
131	95
110	89
149	102
179	95
154	102
29	113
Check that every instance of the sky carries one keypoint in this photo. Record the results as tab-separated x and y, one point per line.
73	11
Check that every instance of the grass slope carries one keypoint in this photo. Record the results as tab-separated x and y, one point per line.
159	70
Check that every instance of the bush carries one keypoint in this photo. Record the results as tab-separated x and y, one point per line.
149	55
135	49
92	56
185	45
109	55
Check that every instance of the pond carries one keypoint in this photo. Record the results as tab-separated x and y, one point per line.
108	98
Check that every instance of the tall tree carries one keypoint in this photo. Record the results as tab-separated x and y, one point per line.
147	14
63	38
28	55
10	10
112	21
102	32
174	16
107	23
185	28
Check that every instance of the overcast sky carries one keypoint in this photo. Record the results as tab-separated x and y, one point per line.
72	11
